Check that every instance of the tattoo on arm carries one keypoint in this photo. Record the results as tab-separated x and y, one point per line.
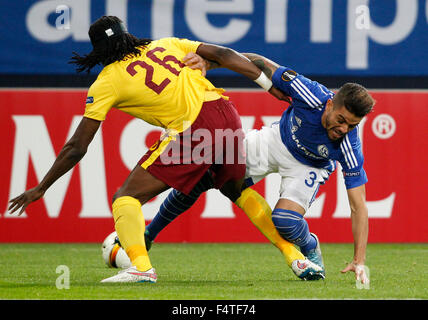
264	64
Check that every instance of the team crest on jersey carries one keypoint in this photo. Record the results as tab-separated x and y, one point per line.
289	75
323	150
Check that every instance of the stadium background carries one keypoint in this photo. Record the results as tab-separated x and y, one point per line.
329	41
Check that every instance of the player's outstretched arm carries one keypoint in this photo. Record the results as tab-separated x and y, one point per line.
71	153
360	228
210	57
230	59
268	67
195	61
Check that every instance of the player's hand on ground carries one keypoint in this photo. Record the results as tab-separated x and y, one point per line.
195	61
23	200
360	272
279	94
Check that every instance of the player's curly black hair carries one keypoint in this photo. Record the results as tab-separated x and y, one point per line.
109	50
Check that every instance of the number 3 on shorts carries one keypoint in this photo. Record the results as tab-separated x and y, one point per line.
311	181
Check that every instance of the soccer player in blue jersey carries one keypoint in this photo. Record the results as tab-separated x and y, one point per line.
316	130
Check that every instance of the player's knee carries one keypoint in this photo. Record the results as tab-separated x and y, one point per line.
232	190
115	196
290	224
122	192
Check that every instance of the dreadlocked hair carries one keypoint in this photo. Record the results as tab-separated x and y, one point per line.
109	50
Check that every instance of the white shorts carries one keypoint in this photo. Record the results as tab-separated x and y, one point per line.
266	153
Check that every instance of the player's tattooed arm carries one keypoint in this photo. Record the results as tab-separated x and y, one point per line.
195	61
264	64
268	67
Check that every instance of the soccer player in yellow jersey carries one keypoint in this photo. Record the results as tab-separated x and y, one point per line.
148	80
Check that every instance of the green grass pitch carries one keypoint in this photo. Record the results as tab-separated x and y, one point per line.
211	272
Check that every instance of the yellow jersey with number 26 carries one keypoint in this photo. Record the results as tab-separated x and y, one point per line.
155	86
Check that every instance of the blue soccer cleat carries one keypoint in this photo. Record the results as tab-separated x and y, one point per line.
315	255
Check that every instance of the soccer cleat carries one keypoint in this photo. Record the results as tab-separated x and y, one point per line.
315	255
307	270
147	240
132	275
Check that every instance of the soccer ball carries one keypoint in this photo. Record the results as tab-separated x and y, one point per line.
113	254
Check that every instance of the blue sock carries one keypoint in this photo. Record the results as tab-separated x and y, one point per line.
293	227
175	204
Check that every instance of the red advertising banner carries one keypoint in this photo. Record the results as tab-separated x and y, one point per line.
35	124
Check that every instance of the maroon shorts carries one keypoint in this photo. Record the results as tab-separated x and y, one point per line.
213	142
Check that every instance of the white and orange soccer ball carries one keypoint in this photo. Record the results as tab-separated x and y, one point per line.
113	254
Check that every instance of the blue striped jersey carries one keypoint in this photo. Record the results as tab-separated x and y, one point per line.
304	135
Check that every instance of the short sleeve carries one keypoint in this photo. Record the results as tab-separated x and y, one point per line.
355	179
352	160
101	98
187	45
